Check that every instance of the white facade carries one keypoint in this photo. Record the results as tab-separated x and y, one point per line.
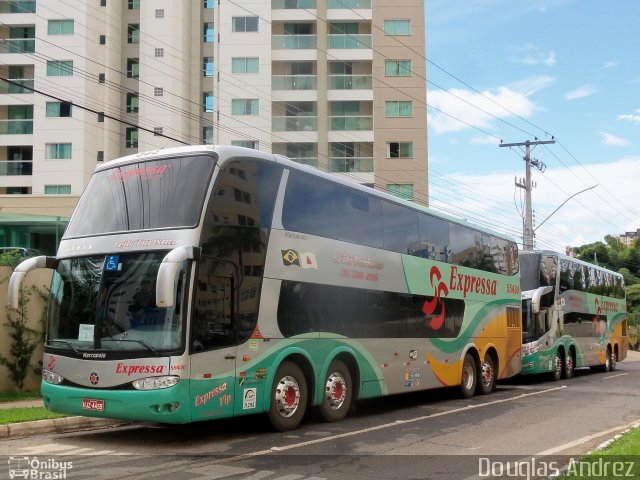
310	79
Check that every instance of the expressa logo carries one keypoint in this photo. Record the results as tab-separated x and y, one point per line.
131	369
430	306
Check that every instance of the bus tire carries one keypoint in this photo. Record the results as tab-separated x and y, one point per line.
614	360
607	361
469	376
288	397
558	365
569	366
487	376
337	392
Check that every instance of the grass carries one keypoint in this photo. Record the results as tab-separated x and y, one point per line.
620	459
23	414
28	414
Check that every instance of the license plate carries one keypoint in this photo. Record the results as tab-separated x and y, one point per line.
91	404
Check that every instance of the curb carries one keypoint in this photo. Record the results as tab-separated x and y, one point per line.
57	425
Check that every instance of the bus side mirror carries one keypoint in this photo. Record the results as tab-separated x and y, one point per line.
165	284
535	300
15	282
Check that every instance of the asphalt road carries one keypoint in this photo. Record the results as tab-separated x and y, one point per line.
425	435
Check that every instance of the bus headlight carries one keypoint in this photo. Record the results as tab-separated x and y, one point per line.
155	383
51	377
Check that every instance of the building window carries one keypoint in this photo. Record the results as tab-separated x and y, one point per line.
244	106
245	143
133	102
103	39
207	67
60	27
244	65
402	190
207	135
208	33
399	149
157	131
397	68
397	27
100	156
133	33
57	189
100	117
58	151
133	67
158	91
160	13
133	4
209	3
207	101
159	52
245	24
131	137
58	109
60	68
398	108
103	3
101	78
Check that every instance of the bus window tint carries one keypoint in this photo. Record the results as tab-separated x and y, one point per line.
359	313
434	239
400	228
463	245
319	207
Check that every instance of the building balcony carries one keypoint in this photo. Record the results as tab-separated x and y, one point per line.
17	86
16	167
349	4
16	127
292	4
294	123
350	82
17	45
351	164
350	41
294	82
293	42
351	123
17	6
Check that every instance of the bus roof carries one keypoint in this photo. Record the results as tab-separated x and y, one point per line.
551	253
227	151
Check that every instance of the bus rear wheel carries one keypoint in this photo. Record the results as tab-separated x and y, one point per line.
613	361
469	376
569	366
556	373
337	393
487	377
288	397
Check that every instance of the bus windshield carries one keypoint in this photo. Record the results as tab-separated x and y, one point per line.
143	195
108	303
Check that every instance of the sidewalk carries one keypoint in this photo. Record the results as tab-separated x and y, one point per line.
55	425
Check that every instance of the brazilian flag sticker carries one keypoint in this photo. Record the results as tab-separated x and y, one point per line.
290	257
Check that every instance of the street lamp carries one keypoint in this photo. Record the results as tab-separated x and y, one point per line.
577	193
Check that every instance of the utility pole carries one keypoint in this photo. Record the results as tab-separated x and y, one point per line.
527	234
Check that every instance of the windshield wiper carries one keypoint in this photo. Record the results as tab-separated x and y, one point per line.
69	344
141	342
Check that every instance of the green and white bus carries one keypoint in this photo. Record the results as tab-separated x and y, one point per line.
574	315
197	283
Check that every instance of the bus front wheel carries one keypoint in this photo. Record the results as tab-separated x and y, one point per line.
288	397
337	394
469	376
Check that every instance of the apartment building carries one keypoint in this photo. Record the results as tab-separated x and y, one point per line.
336	84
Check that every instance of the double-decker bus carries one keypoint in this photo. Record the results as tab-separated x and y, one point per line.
197	283
574	315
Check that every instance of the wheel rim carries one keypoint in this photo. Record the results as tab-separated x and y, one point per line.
335	391
607	362
570	364
287	396
558	364
487	374
614	360
467	376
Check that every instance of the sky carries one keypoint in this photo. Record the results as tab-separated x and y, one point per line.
517	70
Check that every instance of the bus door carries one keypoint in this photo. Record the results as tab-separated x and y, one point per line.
213	340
